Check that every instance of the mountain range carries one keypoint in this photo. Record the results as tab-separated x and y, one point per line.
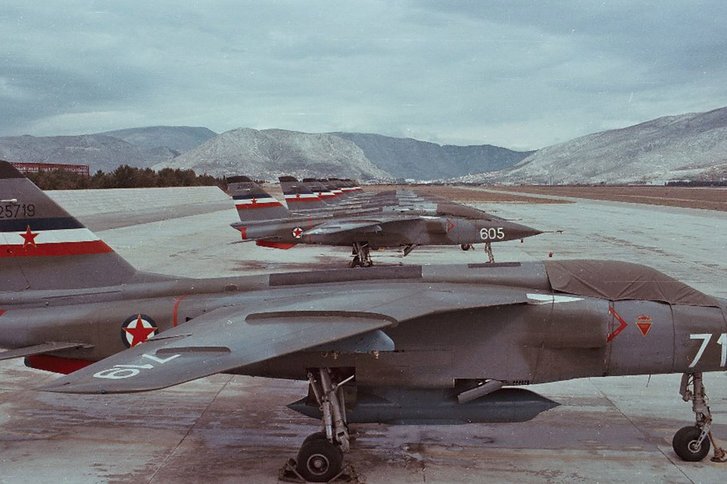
262	153
688	146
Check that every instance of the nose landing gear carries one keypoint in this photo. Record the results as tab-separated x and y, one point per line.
692	443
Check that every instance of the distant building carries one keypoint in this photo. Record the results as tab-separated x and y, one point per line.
38	167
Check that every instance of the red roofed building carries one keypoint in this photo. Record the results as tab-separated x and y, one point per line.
38	167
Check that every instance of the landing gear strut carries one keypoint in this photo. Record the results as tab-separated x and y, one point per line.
692	443
320	458
488	251
408	249
361	255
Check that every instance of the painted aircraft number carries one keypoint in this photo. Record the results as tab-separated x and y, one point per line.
706	338
17	210
492	233
119	372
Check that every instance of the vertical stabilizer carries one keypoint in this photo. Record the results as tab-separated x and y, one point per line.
319	189
252	202
43	247
298	196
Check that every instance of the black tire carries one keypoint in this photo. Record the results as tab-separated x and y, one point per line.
315	436
465	246
684	444
319	460
355	262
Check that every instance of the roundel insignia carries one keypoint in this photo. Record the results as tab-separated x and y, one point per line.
137	329
297	232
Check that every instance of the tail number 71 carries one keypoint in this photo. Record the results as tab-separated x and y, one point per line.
706	338
492	233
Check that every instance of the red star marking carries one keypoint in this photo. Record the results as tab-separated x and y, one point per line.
450	225
297	195
297	232
139	333
253	201
29	237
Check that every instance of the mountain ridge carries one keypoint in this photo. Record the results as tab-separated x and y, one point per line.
684	146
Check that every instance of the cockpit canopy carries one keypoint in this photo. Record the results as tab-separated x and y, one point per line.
620	281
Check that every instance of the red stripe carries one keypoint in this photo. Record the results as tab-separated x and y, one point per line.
55	363
274	245
309	199
55	249
258	205
175	311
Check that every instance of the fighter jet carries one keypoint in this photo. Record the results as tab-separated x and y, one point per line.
401	345
270	224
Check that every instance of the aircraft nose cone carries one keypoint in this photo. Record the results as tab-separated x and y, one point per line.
519	231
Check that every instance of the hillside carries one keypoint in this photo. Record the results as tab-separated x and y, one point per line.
177	139
273	152
673	147
410	158
98	151
139	147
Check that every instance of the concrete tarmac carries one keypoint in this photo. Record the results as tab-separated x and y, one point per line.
237	429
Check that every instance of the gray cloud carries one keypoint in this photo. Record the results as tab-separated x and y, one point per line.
515	74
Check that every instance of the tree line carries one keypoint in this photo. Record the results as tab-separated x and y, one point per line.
124	176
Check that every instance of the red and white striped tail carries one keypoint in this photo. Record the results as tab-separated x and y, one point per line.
43	247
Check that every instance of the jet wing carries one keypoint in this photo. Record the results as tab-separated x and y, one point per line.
235	336
39	349
361	226
332	228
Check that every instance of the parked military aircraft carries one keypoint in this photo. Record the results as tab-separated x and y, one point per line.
409	344
270	224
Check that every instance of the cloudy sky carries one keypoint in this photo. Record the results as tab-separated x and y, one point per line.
517	74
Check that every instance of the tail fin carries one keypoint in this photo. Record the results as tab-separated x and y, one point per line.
252	202
43	247
298	196
333	187
349	186
319	189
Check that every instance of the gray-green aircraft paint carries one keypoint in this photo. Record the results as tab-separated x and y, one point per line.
266	221
409	344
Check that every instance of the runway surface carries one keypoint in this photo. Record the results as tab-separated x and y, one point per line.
237	429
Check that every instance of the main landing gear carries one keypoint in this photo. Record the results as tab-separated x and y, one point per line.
692	443
488	250
320	458
361	255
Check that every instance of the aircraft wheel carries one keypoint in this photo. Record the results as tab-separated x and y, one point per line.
685	444
315	436
319	460
465	246
355	262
